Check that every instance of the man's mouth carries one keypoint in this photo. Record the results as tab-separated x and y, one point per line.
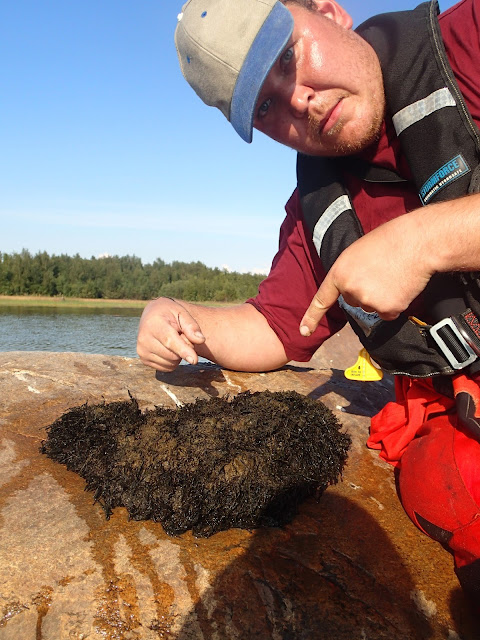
326	124
332	117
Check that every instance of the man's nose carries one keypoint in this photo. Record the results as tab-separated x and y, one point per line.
300	100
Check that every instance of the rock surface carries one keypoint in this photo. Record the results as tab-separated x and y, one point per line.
349	566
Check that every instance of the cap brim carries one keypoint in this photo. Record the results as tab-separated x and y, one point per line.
264	52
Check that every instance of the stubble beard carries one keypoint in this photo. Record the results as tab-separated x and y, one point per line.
347	147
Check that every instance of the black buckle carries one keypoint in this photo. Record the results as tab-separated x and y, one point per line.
454	343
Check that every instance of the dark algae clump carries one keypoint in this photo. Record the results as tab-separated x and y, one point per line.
208	466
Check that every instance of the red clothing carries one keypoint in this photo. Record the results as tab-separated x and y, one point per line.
418	404
438	465
296	272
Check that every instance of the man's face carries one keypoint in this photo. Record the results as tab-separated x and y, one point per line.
324	95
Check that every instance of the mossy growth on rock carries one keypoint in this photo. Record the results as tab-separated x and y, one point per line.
211	465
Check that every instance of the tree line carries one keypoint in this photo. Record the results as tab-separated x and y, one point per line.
120	277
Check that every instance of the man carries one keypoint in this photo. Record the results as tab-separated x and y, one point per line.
385	121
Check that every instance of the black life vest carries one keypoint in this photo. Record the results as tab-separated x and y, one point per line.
442	145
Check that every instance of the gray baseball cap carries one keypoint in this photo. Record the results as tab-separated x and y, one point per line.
226	49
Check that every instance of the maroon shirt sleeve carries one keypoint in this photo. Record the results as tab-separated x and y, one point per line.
294	278
461	34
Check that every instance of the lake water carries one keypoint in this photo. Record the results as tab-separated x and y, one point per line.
106	331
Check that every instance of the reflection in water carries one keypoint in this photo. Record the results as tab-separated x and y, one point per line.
107	331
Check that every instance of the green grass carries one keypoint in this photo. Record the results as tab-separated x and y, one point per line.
64	303
99	303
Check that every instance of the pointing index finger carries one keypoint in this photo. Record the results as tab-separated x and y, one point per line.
325	298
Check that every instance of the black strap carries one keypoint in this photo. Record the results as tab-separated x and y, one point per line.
369	173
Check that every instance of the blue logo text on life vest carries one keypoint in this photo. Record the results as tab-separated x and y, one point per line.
451	171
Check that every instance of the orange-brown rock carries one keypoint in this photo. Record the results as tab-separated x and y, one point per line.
350	566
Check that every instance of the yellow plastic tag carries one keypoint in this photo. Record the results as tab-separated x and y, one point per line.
364	370
420	323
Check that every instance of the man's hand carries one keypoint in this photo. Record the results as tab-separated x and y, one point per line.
384	271
166	334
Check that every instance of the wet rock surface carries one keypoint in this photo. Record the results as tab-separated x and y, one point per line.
350	565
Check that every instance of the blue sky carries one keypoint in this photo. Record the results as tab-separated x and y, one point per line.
107	150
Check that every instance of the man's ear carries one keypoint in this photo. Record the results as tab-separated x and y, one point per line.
331	9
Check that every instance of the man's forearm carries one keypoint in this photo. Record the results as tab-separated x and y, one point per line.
386	269
237	337
450	232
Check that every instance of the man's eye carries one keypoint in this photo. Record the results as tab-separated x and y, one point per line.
286	57
264	107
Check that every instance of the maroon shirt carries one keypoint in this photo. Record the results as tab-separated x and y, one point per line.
297	272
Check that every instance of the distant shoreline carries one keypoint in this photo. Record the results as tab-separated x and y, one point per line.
64	303
54	301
